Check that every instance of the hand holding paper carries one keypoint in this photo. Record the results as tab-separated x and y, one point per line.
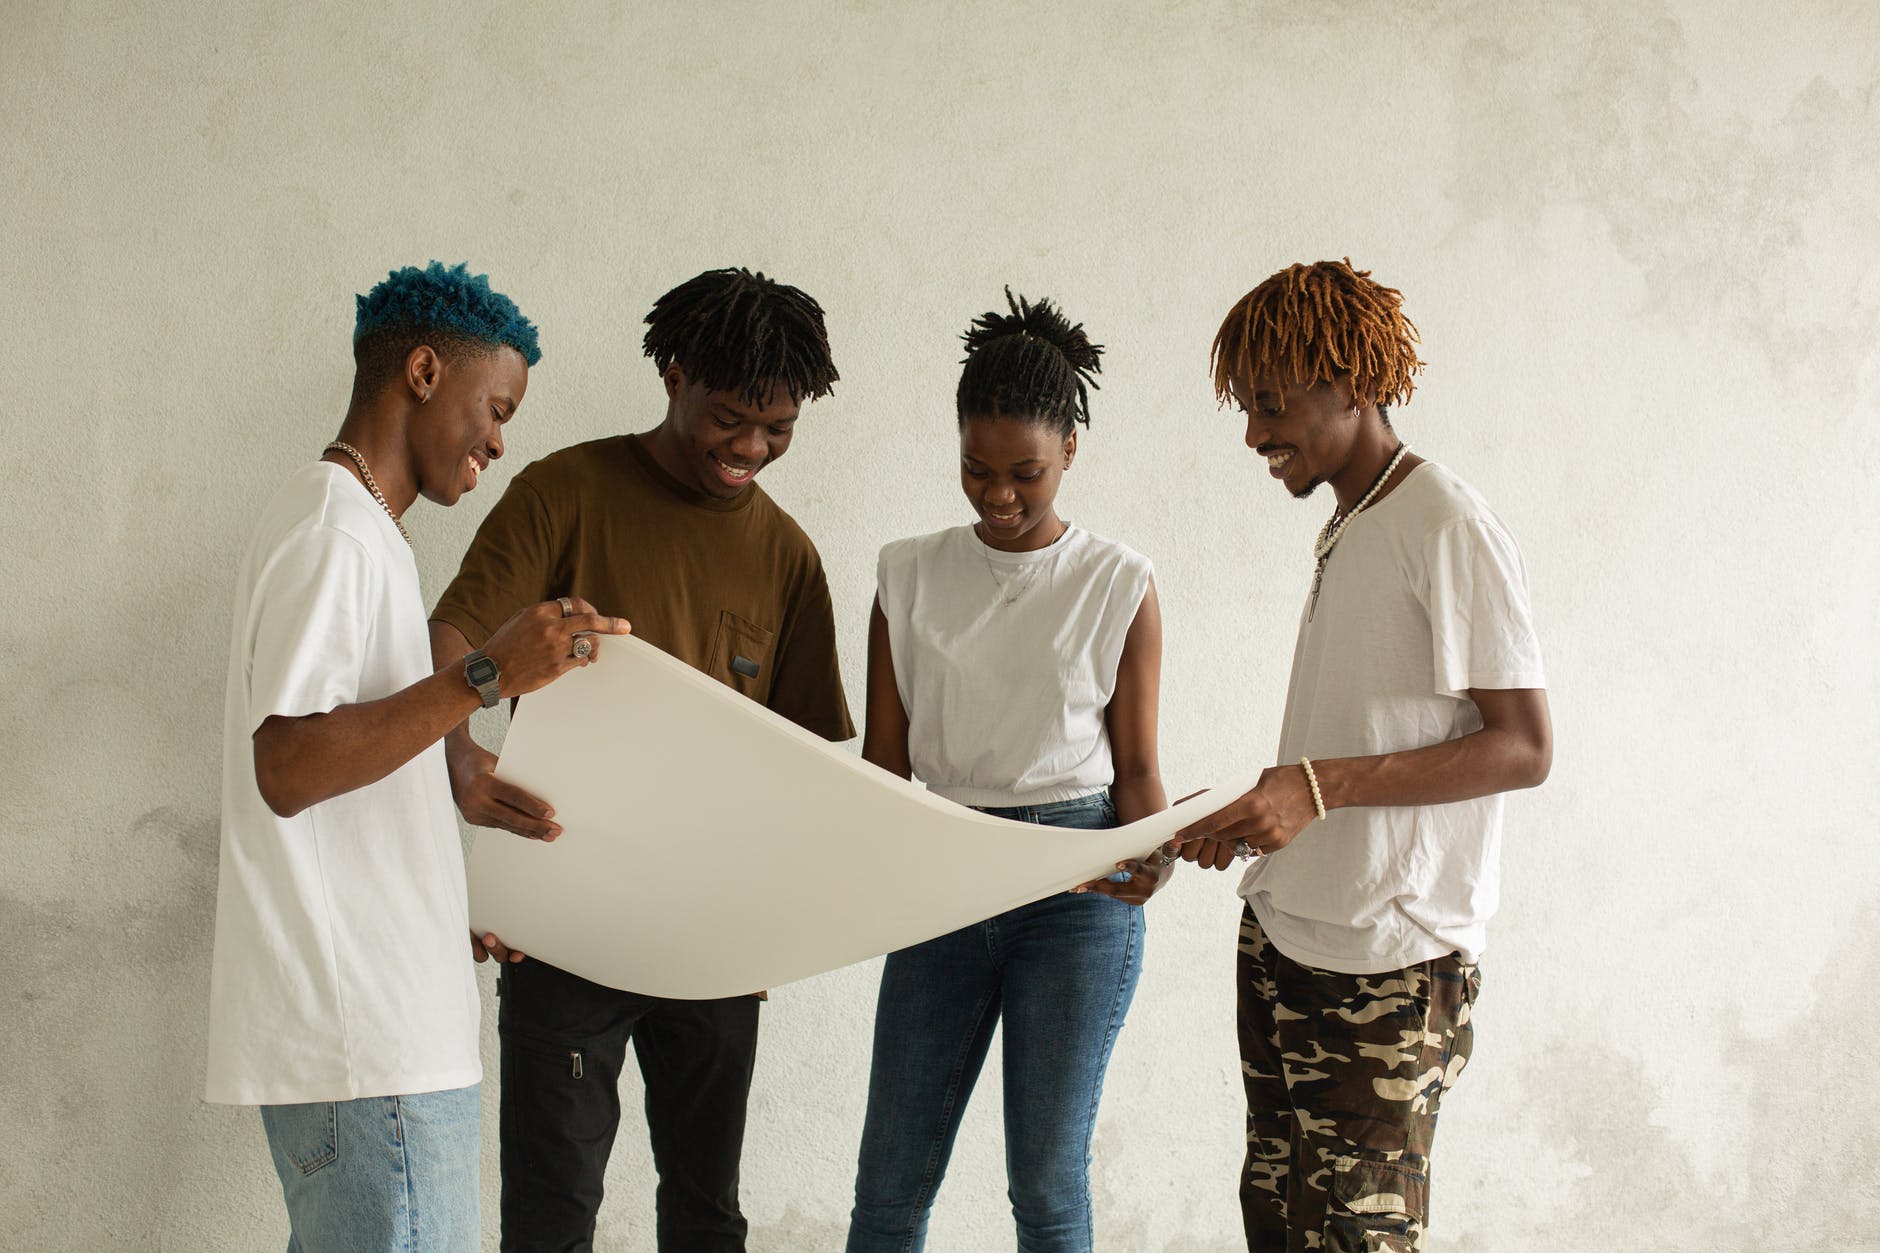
713	848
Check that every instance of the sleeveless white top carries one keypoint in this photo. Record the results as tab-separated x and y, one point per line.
1006	662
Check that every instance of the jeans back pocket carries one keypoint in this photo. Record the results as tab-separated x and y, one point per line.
305	1137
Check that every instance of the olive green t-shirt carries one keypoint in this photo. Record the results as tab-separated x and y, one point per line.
730	587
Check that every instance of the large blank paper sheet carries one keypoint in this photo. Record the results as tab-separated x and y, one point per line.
711	848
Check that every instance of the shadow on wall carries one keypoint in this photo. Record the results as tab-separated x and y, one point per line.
1596	106
106	1028
1636	1189
1787	1191
797	1230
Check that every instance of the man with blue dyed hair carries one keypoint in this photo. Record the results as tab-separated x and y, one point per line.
341	1000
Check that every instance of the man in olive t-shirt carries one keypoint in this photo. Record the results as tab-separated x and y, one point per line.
668	530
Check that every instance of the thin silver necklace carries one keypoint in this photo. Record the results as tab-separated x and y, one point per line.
365	474
1335	527
1006	595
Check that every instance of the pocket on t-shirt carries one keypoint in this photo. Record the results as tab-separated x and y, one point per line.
741	656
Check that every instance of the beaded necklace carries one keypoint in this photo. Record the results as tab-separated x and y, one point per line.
1336	524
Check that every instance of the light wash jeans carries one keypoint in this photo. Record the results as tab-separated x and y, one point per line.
1061	973
382	1174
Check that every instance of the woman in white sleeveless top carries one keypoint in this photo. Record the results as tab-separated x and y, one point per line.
1014	666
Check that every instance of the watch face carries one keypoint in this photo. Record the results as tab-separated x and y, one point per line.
480	671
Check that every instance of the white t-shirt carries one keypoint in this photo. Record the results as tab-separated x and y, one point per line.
342	965
1424	598
1005	702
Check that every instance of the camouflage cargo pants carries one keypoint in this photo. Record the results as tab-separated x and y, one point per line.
1343	1076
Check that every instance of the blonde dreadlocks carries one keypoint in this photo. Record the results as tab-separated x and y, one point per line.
1318	323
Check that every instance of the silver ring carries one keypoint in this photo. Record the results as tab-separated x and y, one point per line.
1163	858
1244	851
583	646
567	607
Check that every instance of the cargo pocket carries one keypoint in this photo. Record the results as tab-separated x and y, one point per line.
1377	1206
555	1093
740	657
305	1137
1459	1035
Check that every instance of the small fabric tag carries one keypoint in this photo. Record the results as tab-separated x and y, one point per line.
744	666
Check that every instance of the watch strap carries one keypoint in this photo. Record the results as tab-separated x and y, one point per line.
482	674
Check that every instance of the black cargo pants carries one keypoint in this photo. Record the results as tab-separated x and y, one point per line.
564	1041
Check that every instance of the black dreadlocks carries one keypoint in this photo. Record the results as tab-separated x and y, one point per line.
1030	364
736	331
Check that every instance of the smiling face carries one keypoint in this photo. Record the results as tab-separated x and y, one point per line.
458	430
1307	434
715	441
1010	470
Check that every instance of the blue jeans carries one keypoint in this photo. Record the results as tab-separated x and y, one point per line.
1061	973
382	1174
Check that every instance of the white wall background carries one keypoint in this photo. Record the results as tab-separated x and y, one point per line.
1642	241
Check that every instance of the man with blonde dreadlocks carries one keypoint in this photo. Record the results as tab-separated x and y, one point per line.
669	529
1417	698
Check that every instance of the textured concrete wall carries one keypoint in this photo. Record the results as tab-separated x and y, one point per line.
1640	239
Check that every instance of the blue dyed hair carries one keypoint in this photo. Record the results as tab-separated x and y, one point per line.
445	306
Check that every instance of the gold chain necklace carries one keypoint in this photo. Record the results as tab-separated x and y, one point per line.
365	473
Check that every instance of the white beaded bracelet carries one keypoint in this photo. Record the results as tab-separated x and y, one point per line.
1318	802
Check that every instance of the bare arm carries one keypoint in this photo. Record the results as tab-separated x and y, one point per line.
305	760
1512	750
465	758
884	738
1132	720
482	798
1132	716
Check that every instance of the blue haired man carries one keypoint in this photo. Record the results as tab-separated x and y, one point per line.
341	1001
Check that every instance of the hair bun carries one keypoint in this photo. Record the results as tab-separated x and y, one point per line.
1042	320
1028	363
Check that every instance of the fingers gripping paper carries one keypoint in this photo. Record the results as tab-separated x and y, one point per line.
711	848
